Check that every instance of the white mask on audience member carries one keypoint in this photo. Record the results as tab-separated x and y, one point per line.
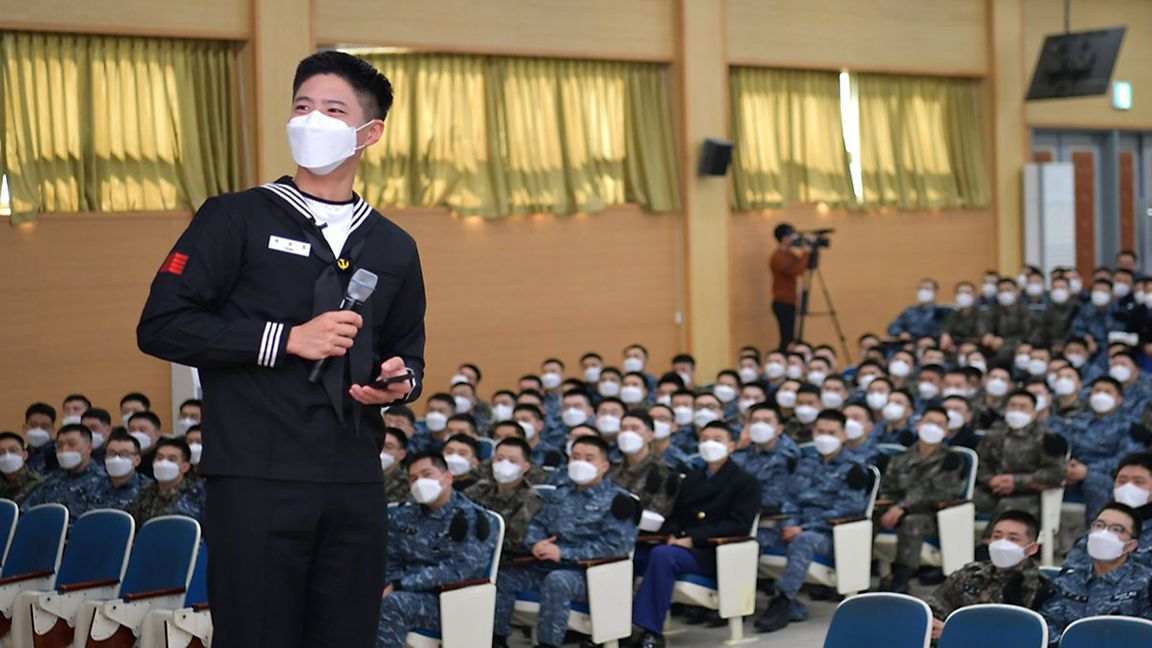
827	444
1121	290
97	440
633	364
877	400
608	425
748	374
386	460
165	471
794	372
1075	285
964	300
582	472
426	491
1041	402
550	380
631	394
666	400
726	393
1064	387
1005	554
574	416
817	377
831	400
786	399
68	459
925	296
806	414
703	417
1131	494
955	420
321	143
1120	373
927	390
712	451
182	426
1017	420
463	405
506	472
685	377
863	381
118	466
1034	289
1100	298
761	432
1037	367
1059	296
457	464
592	374
930	433
661	430
1006	298
1102	402
988	290
436	421
774	370
11	462
629	442
70	420
460	378
144	439
502	412
529	429
37	436
1021	361
853	429
196	449
996	387
682	415
608	388
900	369
1105	546
893	412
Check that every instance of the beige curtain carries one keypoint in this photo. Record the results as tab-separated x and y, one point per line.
921	142
494	136
113	124
789	145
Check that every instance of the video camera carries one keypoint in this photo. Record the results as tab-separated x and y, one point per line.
813	239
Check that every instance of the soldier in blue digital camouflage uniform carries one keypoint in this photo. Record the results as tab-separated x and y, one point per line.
121	460
922	320
439	539
771	458
1124	367
1112	585
1098	440
78	481
832	485
586	518
1133	486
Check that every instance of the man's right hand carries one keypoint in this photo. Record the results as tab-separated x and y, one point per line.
326	335
937	628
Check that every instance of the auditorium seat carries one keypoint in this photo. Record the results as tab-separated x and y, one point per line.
994	624
881	620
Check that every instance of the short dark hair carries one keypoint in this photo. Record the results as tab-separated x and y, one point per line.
464	418
782	230
403	410
553	360
1024	393
475	369
531	409
636	345
16	437
147	416
591	355
372	88
594	441
673	378
194	402
515	425
78	397
1142	459
640	415
939	409
101	415
435	456
444	398
397	434
469	441
683	357
128	438
717	425
40	408
179	444
137	396
77	428
1137	521
1023	517
517	442
832	415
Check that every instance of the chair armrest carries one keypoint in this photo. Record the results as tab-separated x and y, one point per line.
650	537
774	517
885	503
525	560
939	506
20	578
728	540
92	584
200	607
594	562
845	520
450	587
143	596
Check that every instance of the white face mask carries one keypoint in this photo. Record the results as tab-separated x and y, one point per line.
321	143
661	429
703	417
665	400
463	405
1022	361
682	415
1059	295
726	393
761	432
775	370
387	460
631	394
786	399
964	300
183	424
37	437
1034	289
979	364
853	429
97	440
827	444
426	491
502	412
608	424
574	416
529	429
608	388
506	472
72	420
685	377
460	378
930	433
988	290
550	379
1041	402
165	471
582	472
1017	420
1064	387
1105	546
1076	285
633	364
118	466
197	449
127	418
925	296
1005	554
806	414
1100	298
1102	402
592	374
457	464
1037	367
436	421
817	377
900	368
1006	298
927	390
712	451
1131	494
748	374
745	404
1121	290
877	400
955	420
1120	373
1076	360
996	387
831	400
794	372
11	462
629	442
893	412
68	459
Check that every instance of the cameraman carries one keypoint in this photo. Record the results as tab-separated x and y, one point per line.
788	263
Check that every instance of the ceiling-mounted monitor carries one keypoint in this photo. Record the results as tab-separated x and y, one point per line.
1076	64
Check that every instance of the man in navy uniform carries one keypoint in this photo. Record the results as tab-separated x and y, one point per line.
250	295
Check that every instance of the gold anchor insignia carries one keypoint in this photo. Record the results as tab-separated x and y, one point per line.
342	264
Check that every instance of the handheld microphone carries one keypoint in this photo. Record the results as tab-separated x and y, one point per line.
360	288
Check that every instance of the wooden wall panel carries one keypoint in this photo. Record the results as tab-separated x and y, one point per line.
1084	173
224	19
871	269
936	36
1127	200
606	29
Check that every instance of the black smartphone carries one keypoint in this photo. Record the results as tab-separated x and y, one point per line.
384	382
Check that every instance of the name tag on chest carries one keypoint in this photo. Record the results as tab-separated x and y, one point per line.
299	248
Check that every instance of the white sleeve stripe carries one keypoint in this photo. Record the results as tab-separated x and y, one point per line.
260	359
274	346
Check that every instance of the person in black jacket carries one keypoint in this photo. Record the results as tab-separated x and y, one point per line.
250	294
716	501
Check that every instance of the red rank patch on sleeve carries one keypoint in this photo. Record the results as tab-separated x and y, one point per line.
174	264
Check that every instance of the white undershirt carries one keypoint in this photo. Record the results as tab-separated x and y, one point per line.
335	222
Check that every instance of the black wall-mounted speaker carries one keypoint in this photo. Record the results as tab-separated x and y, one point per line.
715	156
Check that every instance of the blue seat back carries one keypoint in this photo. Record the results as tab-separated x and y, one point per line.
497	530
163	555
9	513
97	547
38	541
971	463
198	587
1107	631
487	448
994	624
889	620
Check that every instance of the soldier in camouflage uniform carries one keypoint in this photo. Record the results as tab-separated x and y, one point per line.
1007	323
506	491
392	457
121	459
78	481
535	474
1112	585
1054	325
923	319
1014	578
1098	441
799	426
1016	464
914	481
171	493
441	538
641	472
19	480
963	323
587	518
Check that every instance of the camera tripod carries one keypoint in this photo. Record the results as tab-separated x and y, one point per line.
805	291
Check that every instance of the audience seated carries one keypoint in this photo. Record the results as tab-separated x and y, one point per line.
19	479
171	493
124	481
78	482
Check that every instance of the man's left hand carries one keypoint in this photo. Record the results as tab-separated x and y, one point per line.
398	391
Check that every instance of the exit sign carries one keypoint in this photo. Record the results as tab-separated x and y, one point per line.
1122	95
